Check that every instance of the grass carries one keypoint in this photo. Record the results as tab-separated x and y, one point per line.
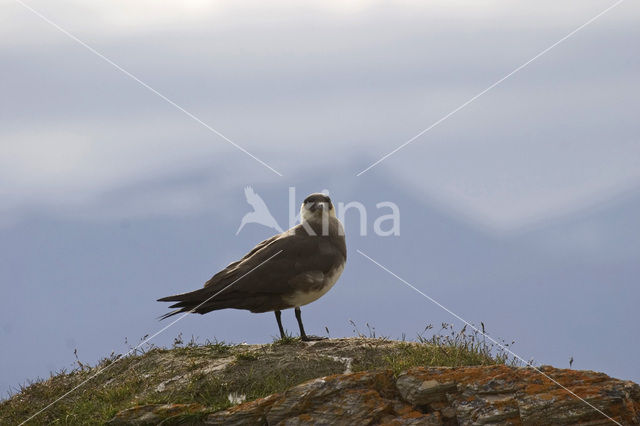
446	348
246	356
287	339
187	373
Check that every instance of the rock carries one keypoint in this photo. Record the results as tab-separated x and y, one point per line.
332	399
473	395
496	395
153	414
419	392
313	384
328	400
249	413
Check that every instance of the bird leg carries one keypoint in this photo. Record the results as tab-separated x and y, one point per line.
303	335
278	318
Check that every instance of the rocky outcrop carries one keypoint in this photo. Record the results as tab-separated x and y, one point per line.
448	381
495	395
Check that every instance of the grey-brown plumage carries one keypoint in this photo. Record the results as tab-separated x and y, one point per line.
285	271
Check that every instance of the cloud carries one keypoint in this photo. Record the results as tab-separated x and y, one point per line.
319	84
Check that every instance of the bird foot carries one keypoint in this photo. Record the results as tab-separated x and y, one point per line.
312	338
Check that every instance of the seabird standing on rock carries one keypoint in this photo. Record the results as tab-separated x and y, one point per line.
288	270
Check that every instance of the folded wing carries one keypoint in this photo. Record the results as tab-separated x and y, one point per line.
276	267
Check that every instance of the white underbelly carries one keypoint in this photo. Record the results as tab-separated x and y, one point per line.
301	298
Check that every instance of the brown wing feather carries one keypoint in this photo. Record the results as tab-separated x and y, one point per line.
233	266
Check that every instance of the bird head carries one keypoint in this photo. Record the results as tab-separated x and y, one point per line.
316	207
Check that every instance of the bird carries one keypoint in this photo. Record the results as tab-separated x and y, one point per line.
288	270
260	213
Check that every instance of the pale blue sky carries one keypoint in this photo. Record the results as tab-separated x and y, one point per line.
519	211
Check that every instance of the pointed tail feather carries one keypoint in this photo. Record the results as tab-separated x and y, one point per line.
178	297
194	302
186	302
170	314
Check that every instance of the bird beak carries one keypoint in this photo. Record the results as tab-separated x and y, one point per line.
317	205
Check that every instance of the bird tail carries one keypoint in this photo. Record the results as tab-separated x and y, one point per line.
188	302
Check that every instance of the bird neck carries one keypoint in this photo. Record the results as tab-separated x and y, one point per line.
324	225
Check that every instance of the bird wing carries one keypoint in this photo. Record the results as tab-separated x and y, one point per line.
233	267
273	263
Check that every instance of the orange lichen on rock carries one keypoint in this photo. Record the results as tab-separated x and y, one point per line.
497	395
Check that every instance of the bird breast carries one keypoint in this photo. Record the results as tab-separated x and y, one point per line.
318	283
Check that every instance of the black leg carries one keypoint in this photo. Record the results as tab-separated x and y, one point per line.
278	318
303	335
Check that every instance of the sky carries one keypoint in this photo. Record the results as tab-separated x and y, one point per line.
520	210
